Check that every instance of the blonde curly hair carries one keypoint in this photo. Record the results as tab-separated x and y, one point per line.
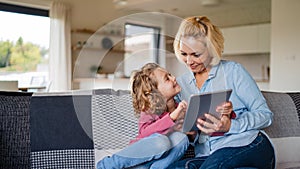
145	95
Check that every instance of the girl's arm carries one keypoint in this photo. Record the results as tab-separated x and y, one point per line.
150	124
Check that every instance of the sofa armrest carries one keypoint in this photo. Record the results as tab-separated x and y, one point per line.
285	129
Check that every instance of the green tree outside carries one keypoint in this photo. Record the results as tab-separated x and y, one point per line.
5	52
20	57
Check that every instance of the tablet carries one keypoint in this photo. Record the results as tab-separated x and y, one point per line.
199	104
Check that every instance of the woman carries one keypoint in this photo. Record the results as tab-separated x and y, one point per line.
242	143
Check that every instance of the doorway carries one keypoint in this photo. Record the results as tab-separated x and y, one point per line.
142	44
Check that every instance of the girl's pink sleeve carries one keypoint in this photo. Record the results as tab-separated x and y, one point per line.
149	124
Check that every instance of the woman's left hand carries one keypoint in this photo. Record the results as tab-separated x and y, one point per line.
225	109
212	124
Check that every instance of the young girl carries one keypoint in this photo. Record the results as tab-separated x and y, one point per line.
158	144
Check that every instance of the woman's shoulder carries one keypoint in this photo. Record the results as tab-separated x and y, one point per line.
231	64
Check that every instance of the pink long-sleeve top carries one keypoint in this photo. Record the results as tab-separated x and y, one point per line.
152	123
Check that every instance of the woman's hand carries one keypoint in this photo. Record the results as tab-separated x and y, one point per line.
211	124
225	109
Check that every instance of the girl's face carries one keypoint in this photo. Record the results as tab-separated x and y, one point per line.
194	54
166	83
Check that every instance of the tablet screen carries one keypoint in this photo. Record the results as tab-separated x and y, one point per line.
199	104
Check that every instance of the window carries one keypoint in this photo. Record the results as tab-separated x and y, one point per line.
24	45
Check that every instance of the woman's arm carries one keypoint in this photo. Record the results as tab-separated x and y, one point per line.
254	112
251	108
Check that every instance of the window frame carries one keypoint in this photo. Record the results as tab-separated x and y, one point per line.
31	11
23	10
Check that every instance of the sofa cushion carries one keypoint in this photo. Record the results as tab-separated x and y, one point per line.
114	123
61	131
287	152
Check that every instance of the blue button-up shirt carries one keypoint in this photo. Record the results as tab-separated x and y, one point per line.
252	112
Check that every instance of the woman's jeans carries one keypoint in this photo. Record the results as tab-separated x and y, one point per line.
259	154
152	152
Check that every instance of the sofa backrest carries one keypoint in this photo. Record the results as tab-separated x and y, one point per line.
68	129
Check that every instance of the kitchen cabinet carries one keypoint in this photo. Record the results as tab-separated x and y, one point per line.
247	39
250	46
264	38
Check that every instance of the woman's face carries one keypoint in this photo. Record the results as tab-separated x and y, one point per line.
166	83
194	53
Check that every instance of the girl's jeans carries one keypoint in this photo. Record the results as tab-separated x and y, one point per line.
152	152
258	154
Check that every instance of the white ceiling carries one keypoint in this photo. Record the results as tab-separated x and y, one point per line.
226	13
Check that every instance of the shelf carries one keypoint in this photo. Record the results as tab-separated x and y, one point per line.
74	48
89	45
89	31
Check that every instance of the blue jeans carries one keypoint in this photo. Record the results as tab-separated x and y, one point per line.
152	152
259	154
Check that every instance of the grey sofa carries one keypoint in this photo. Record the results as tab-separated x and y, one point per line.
76	129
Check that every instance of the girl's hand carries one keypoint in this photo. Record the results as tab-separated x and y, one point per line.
178	125
212	124
182	106
179	112
225	109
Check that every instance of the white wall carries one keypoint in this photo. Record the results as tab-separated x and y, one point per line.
256	64
285	45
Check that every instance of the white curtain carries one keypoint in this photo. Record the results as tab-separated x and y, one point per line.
60	47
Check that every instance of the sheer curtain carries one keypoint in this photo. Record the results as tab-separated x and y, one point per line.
60	48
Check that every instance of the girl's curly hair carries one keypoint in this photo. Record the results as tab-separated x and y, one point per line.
145	95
